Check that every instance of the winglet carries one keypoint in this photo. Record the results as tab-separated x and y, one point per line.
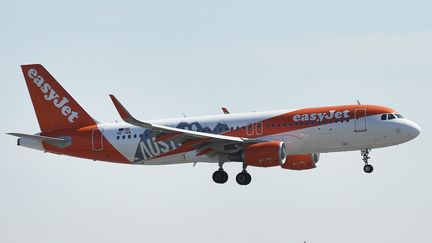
124	114
225	110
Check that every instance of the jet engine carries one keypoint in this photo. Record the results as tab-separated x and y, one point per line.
264	154
301	161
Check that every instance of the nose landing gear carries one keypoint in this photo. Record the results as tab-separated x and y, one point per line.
367	167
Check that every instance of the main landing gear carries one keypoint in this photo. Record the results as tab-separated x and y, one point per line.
242	178
220	176
367	168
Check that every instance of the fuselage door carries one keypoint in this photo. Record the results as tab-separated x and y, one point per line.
259	128
97	139
360	120
254	129
250	129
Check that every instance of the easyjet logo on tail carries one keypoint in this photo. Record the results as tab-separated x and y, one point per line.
51	95
321	116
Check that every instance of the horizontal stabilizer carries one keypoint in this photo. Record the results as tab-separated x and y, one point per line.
58	142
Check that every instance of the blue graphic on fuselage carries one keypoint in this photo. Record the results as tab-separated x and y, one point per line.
149	148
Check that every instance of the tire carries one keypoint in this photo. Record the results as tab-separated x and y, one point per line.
243	178
368	168
220	176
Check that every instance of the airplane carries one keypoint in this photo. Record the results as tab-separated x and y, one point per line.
290	139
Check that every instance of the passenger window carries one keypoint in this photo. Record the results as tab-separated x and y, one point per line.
391	116
123	137
129	136
383	117
135	136
118	137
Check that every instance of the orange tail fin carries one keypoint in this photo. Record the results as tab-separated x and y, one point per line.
54	106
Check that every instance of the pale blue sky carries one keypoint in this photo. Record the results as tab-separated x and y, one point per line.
163	58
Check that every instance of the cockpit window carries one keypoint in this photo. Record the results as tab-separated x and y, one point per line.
385	117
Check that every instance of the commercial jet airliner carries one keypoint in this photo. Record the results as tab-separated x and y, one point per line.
290	139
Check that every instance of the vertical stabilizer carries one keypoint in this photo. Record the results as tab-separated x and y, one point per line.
55	108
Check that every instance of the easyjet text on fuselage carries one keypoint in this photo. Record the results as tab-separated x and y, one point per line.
332	114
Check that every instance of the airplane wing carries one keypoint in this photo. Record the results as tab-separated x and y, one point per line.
127	117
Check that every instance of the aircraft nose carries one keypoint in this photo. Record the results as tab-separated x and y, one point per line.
413	129
416	129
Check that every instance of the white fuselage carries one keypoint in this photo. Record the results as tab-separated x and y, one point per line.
350	134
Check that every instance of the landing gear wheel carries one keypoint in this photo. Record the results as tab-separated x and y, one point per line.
243	178
220	176
365	154
368	168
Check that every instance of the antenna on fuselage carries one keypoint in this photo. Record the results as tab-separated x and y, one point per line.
358	102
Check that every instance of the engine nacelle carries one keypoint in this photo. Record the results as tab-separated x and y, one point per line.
301	161
264	154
